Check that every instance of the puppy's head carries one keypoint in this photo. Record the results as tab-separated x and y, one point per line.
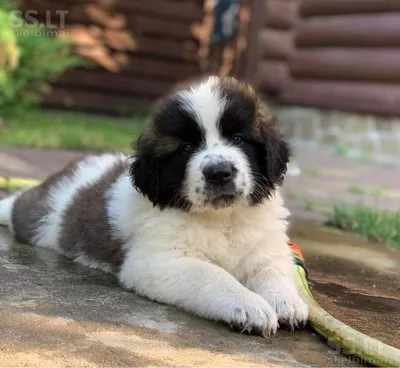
212	145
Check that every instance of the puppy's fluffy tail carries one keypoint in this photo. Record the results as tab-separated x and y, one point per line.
6	208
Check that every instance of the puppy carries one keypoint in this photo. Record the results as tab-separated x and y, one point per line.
194	219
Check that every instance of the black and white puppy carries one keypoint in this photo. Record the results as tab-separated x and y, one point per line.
194	219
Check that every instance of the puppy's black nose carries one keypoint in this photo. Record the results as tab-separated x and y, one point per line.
219	173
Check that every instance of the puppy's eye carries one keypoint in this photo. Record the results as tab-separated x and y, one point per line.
187	149
237	140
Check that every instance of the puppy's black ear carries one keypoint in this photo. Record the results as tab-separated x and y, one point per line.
145	172
278	155
277	151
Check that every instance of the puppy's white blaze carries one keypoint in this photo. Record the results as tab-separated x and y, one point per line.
206	104
88	172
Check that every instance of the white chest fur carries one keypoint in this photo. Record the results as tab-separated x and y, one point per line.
223	237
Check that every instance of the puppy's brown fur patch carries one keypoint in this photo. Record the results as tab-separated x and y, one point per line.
264	120
32	205
85	229
161	144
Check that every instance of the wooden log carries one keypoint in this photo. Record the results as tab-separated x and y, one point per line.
156	47
103	17
276	44
166	9
281	14
273	76
148	26
347	64
379	30
108	82
138	24
120	40
83	36
165	69
135	66
252	19
93	101
331	7
100	56
189	10
373	98
185	50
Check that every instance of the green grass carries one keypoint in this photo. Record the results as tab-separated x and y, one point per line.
355	189
309	205
376	192
376	225
69	131
342	150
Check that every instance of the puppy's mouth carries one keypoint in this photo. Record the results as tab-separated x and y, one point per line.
222	200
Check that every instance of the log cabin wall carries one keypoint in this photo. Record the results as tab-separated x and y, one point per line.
276	45
347	56
341	54
138	50
332	71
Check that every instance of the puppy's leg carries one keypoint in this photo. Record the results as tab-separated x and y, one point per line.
6	208
273	278
198	287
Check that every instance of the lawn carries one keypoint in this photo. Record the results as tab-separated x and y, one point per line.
376	225
69	131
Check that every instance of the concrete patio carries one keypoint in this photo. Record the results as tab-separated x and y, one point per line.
54	313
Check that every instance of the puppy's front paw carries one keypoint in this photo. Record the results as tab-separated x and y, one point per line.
283	296
253	314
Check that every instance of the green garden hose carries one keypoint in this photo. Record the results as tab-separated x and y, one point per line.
353	342
11	184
